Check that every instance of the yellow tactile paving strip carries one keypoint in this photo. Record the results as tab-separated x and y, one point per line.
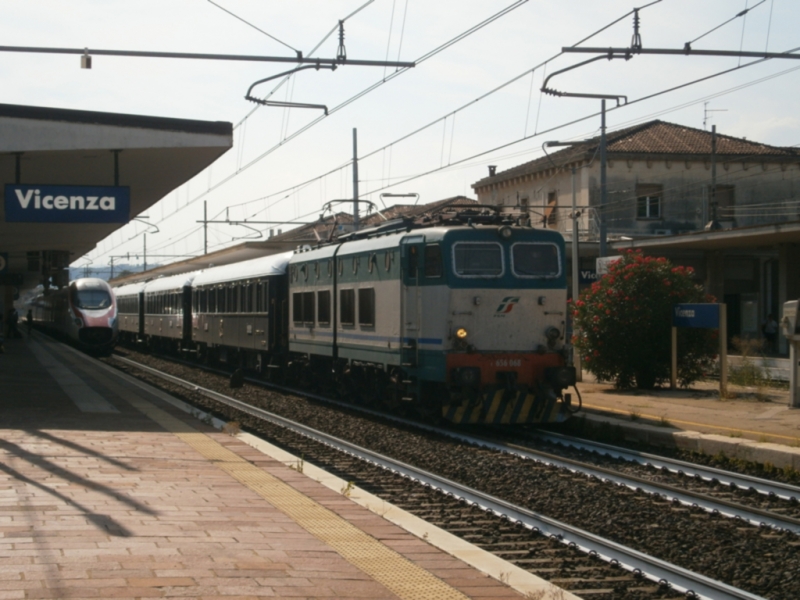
401	576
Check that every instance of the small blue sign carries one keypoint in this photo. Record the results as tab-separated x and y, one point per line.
588	276
67	204
702	316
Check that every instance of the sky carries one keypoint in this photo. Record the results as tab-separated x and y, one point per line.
431	130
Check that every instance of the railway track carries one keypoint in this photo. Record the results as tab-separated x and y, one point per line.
591	579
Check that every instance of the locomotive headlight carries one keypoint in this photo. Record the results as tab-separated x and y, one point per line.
78	322
504	232
461	333
552	334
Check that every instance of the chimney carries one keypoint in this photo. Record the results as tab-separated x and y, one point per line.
492	170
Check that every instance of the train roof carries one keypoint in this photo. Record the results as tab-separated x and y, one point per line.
89	282
392	239
131	289
172	283
274	264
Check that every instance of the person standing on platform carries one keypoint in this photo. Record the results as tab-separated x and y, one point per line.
29	321
13	319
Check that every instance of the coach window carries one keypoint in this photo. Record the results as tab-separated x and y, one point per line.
222	300
308	308
297	308
330	268
324	307
433	260
366	307
540	261
264	307
478	259
303	308
347	304
388	260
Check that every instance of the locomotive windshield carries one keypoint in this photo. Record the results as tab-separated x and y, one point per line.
535	260
478	259
91	299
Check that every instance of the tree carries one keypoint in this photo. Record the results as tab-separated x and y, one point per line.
623	324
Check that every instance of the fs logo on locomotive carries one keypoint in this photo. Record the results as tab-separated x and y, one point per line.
66	204
506	306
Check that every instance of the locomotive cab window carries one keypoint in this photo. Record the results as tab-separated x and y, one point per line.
539	261
347	307
478	259
433	260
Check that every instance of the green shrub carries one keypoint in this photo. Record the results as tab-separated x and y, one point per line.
623	324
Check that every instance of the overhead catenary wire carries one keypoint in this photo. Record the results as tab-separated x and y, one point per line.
431	53
396	181
248	23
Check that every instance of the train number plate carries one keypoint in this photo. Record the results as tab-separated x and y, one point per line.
508	362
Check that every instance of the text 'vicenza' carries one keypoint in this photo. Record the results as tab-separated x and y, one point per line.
49	202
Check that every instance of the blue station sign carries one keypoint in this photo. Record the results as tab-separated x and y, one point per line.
67	204
703	316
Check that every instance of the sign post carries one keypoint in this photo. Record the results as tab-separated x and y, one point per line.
703	316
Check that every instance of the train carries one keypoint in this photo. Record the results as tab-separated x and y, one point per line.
459	318
84	312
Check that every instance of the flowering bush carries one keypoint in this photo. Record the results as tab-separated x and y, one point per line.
623	324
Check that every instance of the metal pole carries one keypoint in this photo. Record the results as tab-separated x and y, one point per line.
205	226
576	357
355	179
144	251
603	183
112	268
723	351
713	173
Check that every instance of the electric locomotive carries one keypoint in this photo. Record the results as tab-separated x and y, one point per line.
85	312
458	319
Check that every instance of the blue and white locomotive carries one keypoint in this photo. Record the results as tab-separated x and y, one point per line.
462	318
462	321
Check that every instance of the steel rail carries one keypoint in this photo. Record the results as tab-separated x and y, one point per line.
662	572
762	486
754	516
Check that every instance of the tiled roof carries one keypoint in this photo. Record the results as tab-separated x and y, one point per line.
654	137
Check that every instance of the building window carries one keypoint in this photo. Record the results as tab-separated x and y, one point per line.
725	202
366	306
347	307
648	201
551	211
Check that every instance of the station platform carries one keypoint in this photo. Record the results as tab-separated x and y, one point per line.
752	423
109	490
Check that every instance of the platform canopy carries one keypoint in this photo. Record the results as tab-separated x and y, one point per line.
57	165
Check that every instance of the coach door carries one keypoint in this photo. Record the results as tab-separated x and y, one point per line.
411	250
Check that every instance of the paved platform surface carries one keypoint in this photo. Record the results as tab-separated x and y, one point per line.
754	423
107	492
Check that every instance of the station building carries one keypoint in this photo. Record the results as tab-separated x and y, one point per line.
727	207
72	177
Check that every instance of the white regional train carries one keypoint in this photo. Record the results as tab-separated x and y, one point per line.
461	318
